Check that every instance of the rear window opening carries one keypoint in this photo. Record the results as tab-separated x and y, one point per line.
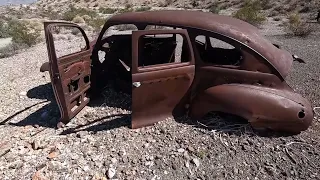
217	52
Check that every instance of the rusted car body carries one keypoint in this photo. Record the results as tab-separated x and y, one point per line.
247	80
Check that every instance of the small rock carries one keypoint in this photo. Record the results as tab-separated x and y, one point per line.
111	173
181	150
146	145
82	134
16	165
37	176
149	163
196	162
36	144
4	148
53	154
174	167
23	93
165	172
187	164
122	152
114	160
190	149
86	168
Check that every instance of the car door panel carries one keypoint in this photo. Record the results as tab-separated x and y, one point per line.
159	91
70	74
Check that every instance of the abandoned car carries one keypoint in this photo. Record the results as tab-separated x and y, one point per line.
176	62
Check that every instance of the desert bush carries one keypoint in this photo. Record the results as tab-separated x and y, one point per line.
126	9
73	12
11	49
250	12
214	8
23	32
86	18
107	10
3	29
167	2
297	27
97	23
143	8
78	19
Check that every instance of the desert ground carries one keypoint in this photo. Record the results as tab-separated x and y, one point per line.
98	143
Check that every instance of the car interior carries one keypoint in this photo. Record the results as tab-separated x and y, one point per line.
115	57
217	52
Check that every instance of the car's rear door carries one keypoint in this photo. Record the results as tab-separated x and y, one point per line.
162	73
69	71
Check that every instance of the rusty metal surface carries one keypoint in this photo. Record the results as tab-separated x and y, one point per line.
234	28
67	74
263	107
253	88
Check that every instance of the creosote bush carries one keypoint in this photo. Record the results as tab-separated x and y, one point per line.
214	8
11	49
78	19
297	27
3	29
23	32
97	23
107	10
73	12
251	12
143	8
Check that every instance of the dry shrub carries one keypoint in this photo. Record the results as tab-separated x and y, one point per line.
97	23
78	19
142	8
251	12
73	12
3	29
297	27
107	10
11	49
214	8
23	32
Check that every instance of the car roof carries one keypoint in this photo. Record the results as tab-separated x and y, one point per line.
225	25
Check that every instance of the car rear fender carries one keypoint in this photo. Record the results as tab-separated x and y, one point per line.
263	107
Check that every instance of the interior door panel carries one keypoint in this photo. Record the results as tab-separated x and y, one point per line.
70	74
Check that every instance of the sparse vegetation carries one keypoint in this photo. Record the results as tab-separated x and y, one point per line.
107	10
214	8
11	49
297	27
23	32
78	19
97	23
3	29
126	9
251	12
73	12
143	8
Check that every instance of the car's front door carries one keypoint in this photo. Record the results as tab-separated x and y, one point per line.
70	73
162	73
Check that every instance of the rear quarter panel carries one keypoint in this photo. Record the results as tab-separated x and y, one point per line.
263	107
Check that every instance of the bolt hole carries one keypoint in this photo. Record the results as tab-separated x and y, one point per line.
301	114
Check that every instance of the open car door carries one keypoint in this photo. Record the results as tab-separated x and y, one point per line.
162	73
70	73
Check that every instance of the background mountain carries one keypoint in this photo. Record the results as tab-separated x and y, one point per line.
7	2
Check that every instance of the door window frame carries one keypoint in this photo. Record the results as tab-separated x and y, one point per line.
50	40
136	35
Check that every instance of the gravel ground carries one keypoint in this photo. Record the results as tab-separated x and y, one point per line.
98	144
